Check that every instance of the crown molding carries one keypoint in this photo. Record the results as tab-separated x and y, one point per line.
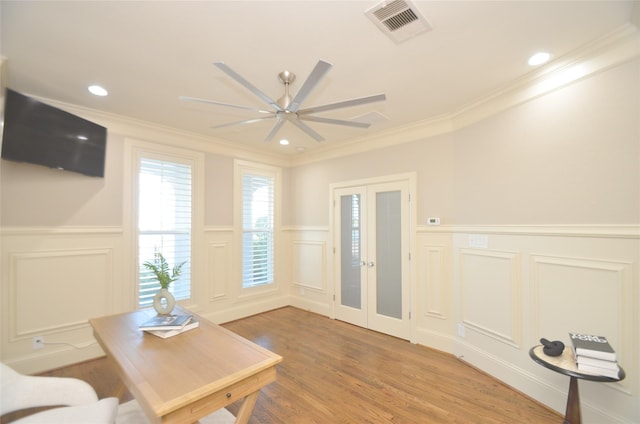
617	47
143	130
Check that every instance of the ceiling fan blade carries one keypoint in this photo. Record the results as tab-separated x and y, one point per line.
213	102
307	129
243	122
334	121
312	80
274	130
343	104
233	74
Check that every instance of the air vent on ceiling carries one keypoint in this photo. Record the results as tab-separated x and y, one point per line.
370	118
399	19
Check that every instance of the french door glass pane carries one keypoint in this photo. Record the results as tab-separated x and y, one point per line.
389	254
350	251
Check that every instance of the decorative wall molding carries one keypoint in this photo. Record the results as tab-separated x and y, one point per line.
608	51
220	270
495	275
37	296
303	228
309	264
219	229
567	284
432	270
57	231
596	230
161	134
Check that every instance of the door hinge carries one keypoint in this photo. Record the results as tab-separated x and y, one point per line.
409	314
334	297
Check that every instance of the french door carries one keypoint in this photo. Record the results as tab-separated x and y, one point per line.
371	227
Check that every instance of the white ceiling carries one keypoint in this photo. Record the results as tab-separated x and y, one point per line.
147	54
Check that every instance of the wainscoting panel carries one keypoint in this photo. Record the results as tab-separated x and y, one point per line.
41	282
309	264
220	267
432	267
311	271
53	281
494	275
587	295
524	283
433	303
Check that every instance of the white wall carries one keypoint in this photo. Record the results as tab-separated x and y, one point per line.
66	251
540	235
551	184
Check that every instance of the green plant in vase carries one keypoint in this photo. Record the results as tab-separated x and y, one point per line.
164	301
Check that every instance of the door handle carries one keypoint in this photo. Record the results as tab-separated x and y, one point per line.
363	263
370	264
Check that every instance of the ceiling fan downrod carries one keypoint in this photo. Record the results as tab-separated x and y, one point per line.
286	78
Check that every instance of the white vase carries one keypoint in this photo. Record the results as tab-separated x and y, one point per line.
163	302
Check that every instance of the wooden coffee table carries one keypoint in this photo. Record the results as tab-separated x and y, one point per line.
189	376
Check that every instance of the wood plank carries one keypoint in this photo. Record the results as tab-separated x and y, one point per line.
334	372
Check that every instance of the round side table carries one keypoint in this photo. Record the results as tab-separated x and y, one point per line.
566	364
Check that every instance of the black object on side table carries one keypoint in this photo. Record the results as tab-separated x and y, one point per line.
566	364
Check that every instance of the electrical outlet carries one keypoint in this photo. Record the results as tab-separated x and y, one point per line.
38	342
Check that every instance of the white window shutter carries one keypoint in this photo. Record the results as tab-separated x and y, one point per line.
257	229
164	224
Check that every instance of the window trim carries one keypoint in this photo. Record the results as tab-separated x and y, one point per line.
134	149
151	287
240	167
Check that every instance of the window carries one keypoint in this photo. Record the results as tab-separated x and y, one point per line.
258	204
164	223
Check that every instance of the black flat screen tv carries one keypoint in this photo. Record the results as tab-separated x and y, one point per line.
41	134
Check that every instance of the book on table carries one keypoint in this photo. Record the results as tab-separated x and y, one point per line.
600	371
166	322
592	346
165	334
595	362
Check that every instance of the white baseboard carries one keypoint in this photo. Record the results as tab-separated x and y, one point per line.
33	364
246	309
311	306
533	384
439	341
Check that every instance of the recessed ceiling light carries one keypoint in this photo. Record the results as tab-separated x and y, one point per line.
284	142
539	58
97	90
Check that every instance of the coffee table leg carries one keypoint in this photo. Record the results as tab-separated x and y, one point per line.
572	414
247	408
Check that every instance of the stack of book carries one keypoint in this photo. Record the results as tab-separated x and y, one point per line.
594	354
166	326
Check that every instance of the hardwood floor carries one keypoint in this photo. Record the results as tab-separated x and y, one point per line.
334	372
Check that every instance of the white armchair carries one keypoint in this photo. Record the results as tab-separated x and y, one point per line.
80	404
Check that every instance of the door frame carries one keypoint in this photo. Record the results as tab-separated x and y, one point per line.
408	177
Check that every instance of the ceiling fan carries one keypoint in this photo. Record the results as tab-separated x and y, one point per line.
286	108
